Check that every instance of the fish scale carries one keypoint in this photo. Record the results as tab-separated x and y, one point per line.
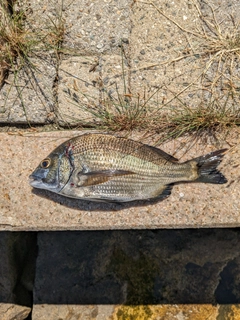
107	143
104	167
128	162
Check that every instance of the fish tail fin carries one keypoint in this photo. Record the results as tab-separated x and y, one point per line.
207	167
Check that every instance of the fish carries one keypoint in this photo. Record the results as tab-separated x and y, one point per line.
106	167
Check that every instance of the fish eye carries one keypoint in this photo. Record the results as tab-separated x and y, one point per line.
46	163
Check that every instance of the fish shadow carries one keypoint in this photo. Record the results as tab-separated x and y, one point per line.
86	205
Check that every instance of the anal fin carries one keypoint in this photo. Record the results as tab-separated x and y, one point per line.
163	192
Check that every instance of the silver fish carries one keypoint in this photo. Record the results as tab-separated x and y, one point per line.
103	167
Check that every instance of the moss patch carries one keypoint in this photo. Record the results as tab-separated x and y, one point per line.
139	274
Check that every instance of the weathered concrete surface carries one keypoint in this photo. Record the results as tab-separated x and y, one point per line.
78	90
189	206
179	50
169	46
157	46
27	96
140	312
71	312
13	312
96	27
138	274
88	87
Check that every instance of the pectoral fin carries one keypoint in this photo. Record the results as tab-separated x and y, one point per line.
97	177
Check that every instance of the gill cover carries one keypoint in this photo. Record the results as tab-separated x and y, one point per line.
53	172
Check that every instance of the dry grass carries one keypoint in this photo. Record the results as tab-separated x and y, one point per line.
218	50
19	42
218	83
14	40
127	114
204	118
22	43
215	43
124	112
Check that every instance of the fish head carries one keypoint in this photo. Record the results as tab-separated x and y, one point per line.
53	172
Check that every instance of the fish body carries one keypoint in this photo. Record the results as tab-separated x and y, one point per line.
104	167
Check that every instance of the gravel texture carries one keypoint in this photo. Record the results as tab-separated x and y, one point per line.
27	97
169	51
96	27
85	84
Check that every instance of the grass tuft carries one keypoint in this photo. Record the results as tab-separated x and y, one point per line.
127	114
210	118
15	41
22	43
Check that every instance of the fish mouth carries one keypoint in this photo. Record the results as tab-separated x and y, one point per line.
35	181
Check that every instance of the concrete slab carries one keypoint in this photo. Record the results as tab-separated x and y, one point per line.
96	27
89	87
150	312
177	54
157	46
138	274
189	206
78	90
84	28
13	312
52	312
89	28
27	95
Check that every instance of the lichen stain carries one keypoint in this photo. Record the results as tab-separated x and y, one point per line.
229	312
139	274
166	312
